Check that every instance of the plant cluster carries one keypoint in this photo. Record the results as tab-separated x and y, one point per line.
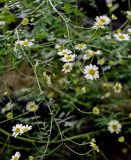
78	79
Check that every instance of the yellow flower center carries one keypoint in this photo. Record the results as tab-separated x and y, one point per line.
102	20
64	52
25	21
25	129
117	87
17	130
96	110
67	67
68	58
121	36
32	107
114	126
26	43
81	46
15	158
92	72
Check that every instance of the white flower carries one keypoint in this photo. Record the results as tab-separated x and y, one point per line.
128	13
114	126
32	107
68	58
121	37
98	25
16	156
88	54
25	43
91	72
101	22
26	128
93	145
67	67
64	52
98	52
129	30
80	46
103	19
17	130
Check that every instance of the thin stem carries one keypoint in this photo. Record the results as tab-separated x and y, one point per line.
83	135
81	154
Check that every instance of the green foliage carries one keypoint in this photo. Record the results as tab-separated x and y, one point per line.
36	72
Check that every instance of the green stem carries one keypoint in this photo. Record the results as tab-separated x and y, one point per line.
67	96
58	141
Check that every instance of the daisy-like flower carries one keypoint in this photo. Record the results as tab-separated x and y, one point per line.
114	126
93	145
101	22
17	130
89	53
80	46
128	13
67	67
91	72
98	25
98	52
103	19
16	156
26	43
32	107
121	37
26	128
117	87
68	58
64	52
